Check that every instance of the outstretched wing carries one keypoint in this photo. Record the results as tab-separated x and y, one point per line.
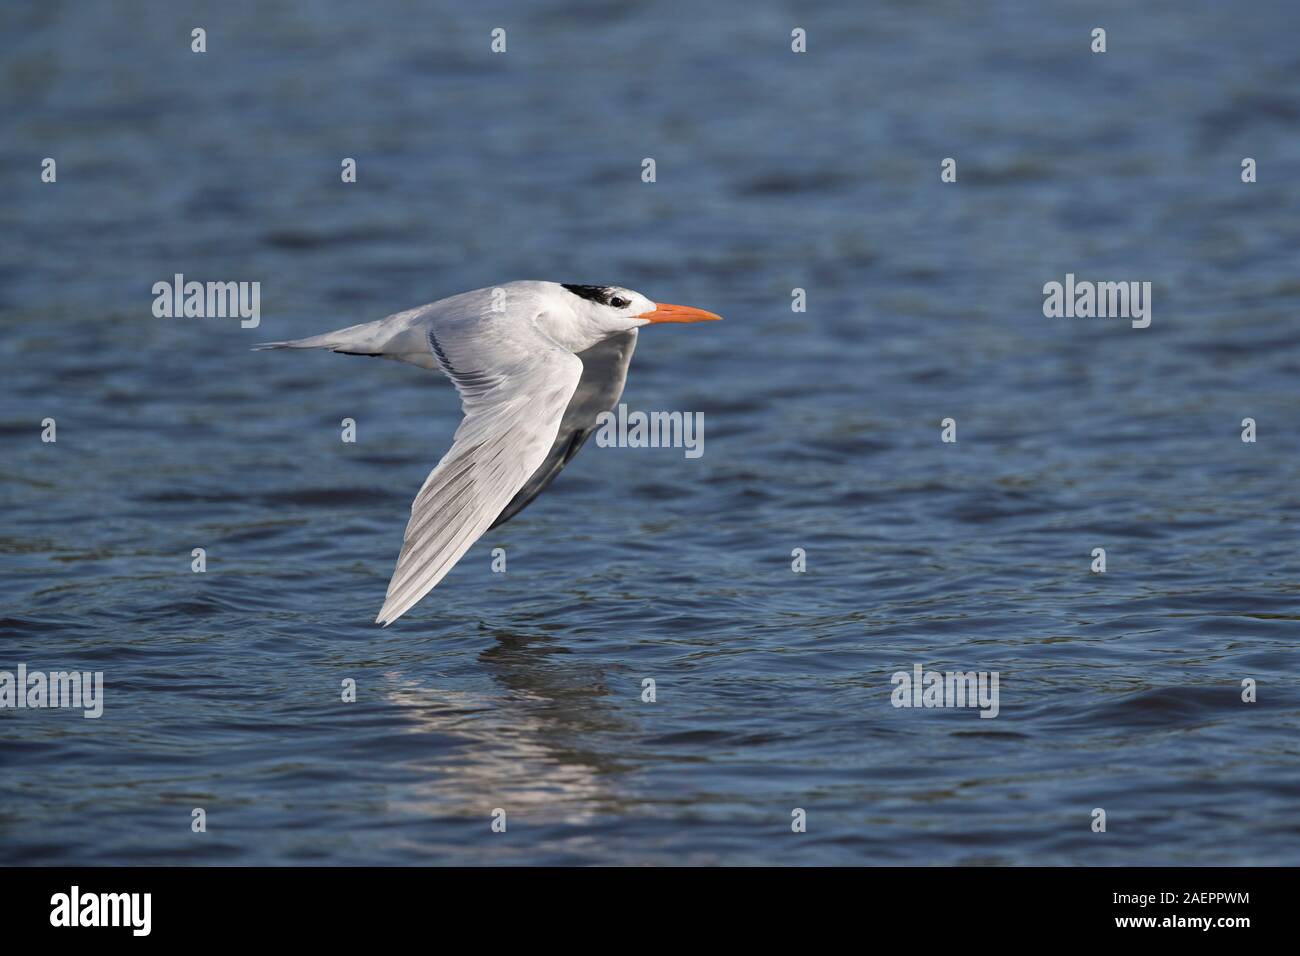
514	388
604	371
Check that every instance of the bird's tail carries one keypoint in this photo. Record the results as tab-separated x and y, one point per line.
327	341
354	340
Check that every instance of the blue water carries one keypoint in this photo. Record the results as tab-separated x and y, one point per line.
522	691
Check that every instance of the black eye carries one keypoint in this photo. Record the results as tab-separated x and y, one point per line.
619	302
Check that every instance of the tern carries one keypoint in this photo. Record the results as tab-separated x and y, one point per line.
535	364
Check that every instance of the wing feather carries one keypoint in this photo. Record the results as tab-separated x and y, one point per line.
514	392
604	373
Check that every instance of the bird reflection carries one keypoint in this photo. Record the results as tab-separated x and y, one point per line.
526	747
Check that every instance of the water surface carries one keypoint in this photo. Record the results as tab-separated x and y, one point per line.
522	690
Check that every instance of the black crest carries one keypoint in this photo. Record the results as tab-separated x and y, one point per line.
596	293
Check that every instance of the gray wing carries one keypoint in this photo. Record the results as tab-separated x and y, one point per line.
604	371
514	389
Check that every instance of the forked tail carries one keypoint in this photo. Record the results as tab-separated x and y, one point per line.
365	339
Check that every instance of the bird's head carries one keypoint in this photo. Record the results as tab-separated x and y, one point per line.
606	310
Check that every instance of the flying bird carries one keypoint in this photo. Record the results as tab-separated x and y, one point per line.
535	363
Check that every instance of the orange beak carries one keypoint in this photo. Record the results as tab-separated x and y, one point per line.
679	313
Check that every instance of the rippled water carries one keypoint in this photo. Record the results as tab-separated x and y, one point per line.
522	690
